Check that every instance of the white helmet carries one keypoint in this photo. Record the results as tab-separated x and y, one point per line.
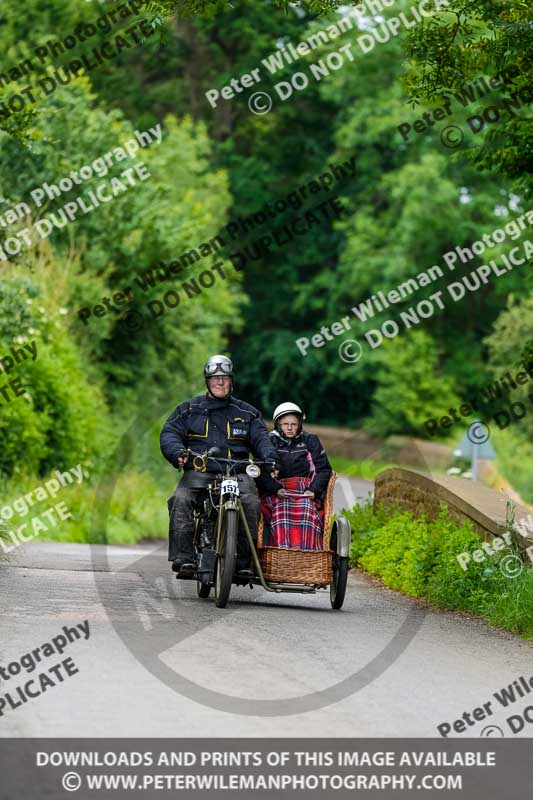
287	408
218	365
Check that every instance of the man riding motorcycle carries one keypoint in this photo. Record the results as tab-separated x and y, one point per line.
215	419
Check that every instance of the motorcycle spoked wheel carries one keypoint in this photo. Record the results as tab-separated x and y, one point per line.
226	561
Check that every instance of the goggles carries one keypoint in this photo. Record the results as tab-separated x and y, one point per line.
218	368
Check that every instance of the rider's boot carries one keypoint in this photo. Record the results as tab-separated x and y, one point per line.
247	572
185	567
246	566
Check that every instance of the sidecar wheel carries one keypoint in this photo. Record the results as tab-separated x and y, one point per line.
337	589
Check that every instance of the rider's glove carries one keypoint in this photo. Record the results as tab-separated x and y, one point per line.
275	470
182	459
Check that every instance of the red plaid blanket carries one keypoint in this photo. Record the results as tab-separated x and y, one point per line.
295	522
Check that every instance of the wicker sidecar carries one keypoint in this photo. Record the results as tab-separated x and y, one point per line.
285	569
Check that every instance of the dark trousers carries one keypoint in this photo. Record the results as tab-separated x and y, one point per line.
181	519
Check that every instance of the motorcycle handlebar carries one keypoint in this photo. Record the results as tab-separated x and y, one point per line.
235	461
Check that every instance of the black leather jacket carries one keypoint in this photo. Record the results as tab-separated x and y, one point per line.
293	455
234	426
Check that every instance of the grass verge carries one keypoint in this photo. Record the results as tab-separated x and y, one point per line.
368	469
419	557
137	510
358	469
3	541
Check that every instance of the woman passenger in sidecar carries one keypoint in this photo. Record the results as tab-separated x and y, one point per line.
292	503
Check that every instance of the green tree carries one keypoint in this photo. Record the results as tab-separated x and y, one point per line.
411	386
475	39
61	419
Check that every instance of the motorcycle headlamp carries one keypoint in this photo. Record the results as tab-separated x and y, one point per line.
253	470
200	463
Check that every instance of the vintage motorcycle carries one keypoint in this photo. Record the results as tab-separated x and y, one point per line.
216	525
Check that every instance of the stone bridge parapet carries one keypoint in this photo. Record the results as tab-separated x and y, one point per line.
422	493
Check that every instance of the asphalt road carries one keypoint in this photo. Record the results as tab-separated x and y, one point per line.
161	662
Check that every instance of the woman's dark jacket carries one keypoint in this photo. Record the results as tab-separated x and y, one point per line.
294	457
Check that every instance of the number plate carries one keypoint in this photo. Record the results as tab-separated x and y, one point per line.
230	486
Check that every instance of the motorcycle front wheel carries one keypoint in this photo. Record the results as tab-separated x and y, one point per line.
226	560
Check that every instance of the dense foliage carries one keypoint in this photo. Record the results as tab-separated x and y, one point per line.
419	557
406	202
476	38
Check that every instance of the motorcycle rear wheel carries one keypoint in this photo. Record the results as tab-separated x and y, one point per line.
226	560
